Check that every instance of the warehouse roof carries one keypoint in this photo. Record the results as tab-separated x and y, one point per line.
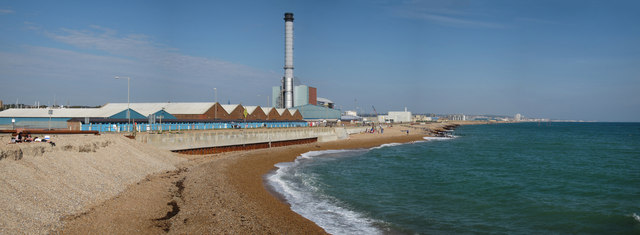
229	107
56	113
313	112
62	112
138	109
266	110
280	111
172	108
324	100
250	109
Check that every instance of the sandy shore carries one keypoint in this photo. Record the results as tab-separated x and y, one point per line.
42	184
222	193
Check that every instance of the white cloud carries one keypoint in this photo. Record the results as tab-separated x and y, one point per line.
5	11
541	21
143	50
452	20
158	72
452	13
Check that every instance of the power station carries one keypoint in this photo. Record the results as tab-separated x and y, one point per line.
300	97
284	96
287	81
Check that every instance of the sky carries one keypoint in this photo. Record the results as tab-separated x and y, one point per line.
577	60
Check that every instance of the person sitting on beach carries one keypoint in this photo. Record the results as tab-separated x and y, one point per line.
19	137
36	139
48	140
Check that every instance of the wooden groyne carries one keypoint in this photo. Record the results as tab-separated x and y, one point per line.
241	147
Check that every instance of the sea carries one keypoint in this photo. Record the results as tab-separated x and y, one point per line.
520	178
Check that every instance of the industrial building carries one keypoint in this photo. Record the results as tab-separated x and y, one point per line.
324	102
318	113
197	114
284	96
350	116
301	97
396	116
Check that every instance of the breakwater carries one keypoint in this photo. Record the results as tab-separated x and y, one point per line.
219	138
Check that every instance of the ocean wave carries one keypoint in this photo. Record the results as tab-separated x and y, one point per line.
439	138
307	200
387	145
635	216
397	144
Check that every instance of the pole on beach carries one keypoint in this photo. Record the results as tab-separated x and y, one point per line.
50	113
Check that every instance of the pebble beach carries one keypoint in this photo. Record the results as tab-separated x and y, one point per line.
110	184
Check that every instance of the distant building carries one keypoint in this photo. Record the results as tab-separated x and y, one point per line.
313	96
458	117
276	97
351	113
316	112
422	118
396	116
302	95
325	102
518	117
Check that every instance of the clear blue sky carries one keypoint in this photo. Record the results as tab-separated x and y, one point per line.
552	59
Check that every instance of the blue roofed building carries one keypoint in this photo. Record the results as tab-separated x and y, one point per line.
314	113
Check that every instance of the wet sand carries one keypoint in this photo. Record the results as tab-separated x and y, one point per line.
220	194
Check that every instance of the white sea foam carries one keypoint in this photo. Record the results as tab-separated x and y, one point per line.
307	200
396	144
439	138
635	216
387	145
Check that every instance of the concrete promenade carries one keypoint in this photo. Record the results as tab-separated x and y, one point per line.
216	138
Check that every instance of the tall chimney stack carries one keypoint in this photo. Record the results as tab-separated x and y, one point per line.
288	60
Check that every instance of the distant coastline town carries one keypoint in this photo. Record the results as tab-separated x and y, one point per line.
81	117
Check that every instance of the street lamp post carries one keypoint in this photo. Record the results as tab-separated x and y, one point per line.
128	103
